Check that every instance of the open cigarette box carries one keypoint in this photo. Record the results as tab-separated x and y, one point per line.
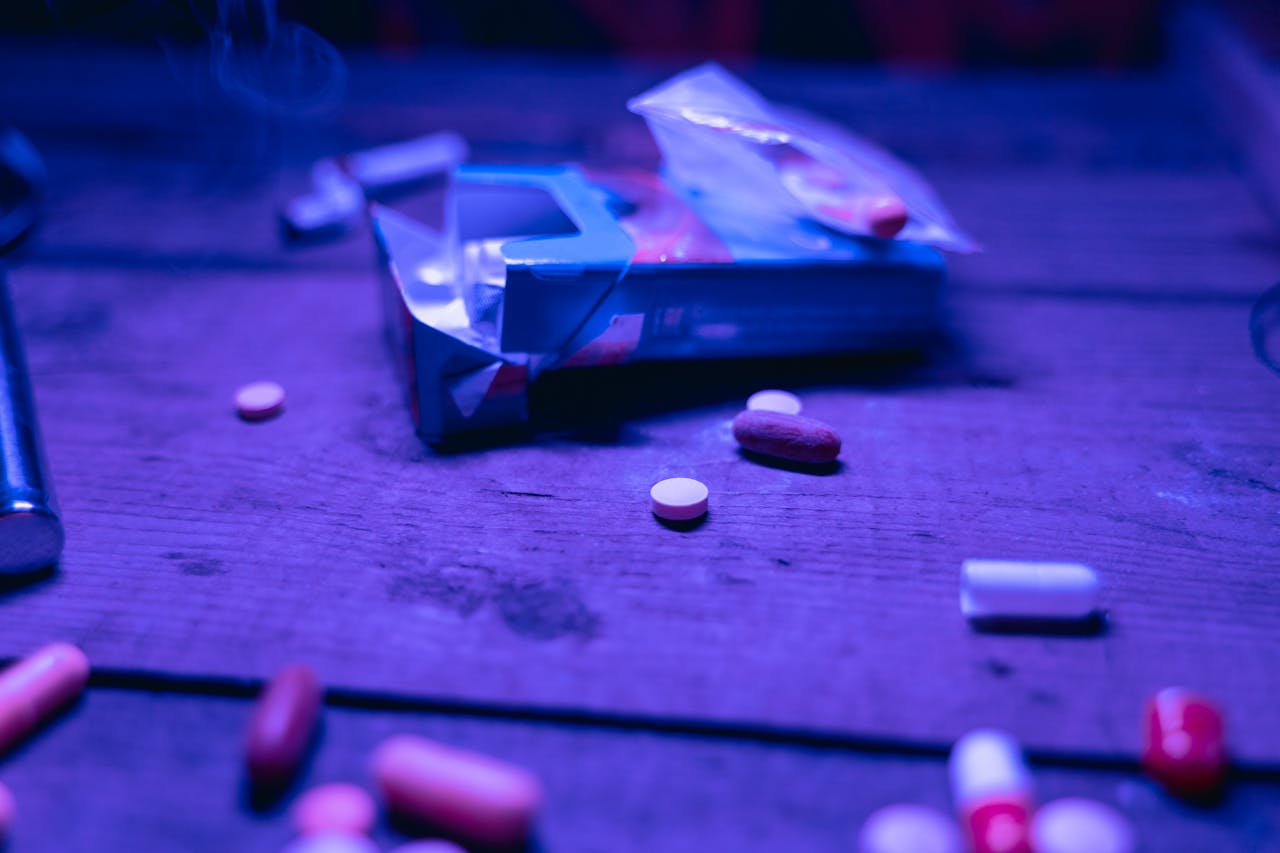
761	236
554	268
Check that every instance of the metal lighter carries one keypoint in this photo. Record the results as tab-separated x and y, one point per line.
31	533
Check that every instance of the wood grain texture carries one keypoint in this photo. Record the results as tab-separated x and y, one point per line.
135	771
1135	437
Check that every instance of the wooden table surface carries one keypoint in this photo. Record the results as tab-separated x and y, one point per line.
761	682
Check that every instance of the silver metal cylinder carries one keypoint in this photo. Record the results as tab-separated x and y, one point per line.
30	531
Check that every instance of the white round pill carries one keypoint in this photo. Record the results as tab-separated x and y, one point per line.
909	828
1077	825
679	499
258	401
773	400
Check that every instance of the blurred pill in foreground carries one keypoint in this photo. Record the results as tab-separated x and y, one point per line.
991	786
331	842
334	808
38	686
259	401
468	796
909	828
1184	743
433	845
283	723
1075	825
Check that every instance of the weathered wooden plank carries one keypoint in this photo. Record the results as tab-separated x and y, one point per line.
1138	437
132	771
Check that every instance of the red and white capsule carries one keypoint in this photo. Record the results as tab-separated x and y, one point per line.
991	786
1184	743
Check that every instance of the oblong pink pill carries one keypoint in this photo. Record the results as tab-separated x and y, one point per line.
36	687
784	436
470	796
282	725
337	807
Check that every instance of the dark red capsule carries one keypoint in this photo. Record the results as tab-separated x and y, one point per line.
792	437
282	726
1184	746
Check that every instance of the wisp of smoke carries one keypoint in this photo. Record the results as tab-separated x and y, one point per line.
270	65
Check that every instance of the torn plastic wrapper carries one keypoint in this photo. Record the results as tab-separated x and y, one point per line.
771	163
548	268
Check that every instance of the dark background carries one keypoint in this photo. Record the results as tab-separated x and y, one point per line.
940	33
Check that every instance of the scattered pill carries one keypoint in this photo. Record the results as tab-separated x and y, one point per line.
36	687
1008	589
1183	743
1075	825
679	499
334	808
283	723
469	796
259	401
792	437
8	811
909	828
331	842
434	845
774	401
991	786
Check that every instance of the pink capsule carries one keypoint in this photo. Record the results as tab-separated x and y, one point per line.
792	437
471	797
337	808
1184	746
282	726
36	687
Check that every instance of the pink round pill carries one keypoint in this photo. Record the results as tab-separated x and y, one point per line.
1077	825
774	400
679	499
259	401
8	810
337	807
909	828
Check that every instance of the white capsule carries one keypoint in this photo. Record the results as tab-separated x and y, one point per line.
1008	589
1075	825
909	828
987	764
